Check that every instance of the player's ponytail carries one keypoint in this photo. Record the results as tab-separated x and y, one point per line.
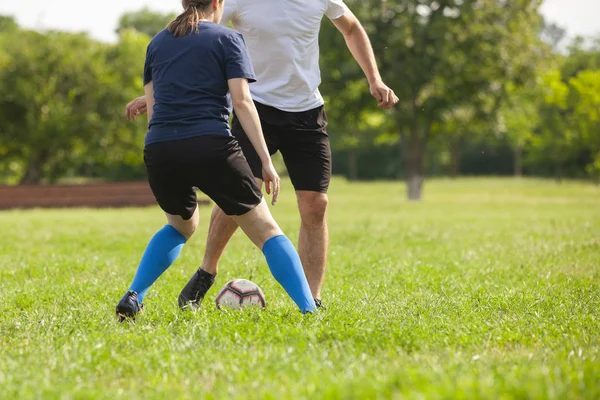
190	18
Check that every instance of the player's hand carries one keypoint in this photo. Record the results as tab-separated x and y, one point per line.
271	179
384	95
136	107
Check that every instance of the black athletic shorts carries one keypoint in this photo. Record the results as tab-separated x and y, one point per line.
302	139
214	164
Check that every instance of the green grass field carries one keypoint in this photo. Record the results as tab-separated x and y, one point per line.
488	288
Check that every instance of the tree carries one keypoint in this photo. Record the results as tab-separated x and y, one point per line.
565	138
442	54
123	140
554	134
519	119
459	126
145	21
62	101
356	123
582	54
586	107
357	126
8	24
553	34
46	105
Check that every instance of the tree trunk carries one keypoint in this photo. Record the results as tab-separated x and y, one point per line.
558	173
352	165
414	160
33	175
518	161
415	187
455	160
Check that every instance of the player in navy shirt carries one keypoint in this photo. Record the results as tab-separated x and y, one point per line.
190	93
195	72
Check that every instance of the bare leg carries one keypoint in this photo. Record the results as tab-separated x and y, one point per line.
258	224
220	231
282	257
162	250
185	227
314	238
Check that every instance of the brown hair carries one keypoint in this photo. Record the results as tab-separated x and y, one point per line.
190	18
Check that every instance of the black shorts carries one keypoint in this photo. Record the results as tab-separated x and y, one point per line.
214	164
302	139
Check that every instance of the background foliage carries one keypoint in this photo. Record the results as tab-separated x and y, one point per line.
485	87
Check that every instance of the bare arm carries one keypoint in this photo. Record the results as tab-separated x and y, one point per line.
149	97
359	45
248	116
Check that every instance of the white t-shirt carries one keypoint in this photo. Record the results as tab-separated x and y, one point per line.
283	41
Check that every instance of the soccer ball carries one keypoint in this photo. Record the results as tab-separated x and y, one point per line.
240	293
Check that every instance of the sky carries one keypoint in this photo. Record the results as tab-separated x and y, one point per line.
579	17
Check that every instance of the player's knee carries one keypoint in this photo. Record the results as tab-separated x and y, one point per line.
313	208
186	228
188	231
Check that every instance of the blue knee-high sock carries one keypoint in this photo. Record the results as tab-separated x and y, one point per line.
286	267
161	252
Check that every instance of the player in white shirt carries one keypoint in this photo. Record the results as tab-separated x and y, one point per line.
282	37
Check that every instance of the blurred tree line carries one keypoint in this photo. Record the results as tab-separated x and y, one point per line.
485	87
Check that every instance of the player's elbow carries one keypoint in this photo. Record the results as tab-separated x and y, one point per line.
240	93
241	101
355	31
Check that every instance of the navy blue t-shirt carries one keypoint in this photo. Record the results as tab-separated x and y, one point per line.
190	76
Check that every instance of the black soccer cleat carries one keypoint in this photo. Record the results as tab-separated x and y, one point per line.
319	304
129	307
194	291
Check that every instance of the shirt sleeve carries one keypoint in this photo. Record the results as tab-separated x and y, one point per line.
148	67
237	61
229	12
335	9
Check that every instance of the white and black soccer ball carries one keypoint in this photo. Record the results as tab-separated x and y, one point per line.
240	293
